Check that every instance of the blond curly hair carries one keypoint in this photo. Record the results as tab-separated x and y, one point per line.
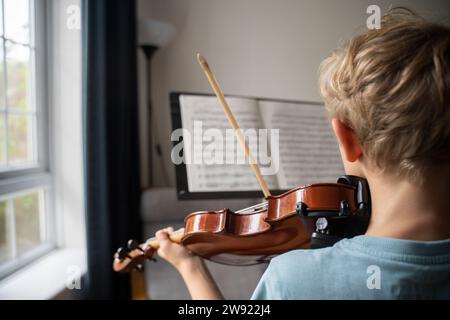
390	86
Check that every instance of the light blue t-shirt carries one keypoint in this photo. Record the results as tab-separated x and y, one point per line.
361	268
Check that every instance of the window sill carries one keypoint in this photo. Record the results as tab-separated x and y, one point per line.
44	278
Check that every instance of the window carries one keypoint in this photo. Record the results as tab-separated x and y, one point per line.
25	180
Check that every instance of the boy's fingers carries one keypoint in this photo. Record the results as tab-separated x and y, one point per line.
164	241
161	235
169	230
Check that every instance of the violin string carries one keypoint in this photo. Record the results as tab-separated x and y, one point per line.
262	205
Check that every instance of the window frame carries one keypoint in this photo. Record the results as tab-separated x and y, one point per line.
39	175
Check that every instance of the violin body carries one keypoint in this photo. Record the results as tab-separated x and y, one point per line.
235	239
256	234
254	237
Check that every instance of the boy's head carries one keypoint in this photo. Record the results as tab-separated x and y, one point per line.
390	87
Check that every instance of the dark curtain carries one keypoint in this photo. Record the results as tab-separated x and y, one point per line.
110	112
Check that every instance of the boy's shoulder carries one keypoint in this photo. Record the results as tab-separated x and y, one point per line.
299	274
312	259
305	259
326	273
360	268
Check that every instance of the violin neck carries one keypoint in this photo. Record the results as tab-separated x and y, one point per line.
174	237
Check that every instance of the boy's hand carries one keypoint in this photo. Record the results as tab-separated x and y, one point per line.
196	275
174	253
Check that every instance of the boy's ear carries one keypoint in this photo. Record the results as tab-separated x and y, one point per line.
350	148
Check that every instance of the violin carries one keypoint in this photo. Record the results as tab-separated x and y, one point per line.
306	217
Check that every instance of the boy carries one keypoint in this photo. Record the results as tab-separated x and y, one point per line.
387	93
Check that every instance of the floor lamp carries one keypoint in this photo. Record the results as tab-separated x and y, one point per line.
152	35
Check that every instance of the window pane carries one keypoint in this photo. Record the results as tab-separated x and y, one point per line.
5	245
1	18
18	75
20	142
28	230
17	20
2	141
2	76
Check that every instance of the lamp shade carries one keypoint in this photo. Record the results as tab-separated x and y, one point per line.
156	33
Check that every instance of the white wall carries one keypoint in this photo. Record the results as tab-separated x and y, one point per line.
263	48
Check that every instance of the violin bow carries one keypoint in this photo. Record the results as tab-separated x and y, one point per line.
234	124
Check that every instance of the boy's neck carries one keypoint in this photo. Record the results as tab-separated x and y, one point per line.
401	209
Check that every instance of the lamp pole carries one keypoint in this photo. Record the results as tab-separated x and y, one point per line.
152	35
149	50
